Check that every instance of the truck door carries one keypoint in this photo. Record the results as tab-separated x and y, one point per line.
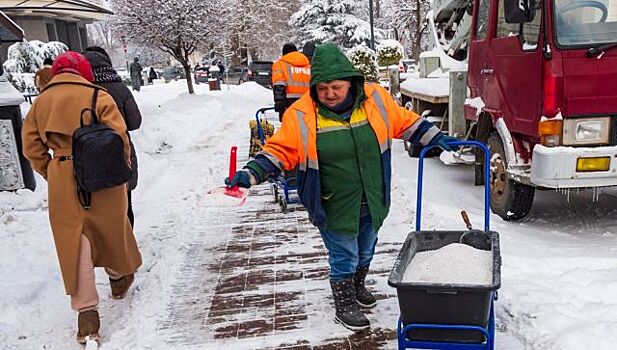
478	46
514	77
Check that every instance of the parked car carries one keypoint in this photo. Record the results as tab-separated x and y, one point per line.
236	74
261	73
201	74
172	73
407	66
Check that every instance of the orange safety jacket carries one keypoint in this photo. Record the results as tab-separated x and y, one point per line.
293	71
295	143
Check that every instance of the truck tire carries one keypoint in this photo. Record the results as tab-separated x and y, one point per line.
510	200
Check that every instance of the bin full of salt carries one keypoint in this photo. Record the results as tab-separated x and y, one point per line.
447	277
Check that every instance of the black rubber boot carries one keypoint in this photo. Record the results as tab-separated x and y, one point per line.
364	298
348	312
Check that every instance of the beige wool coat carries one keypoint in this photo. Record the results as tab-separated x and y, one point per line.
48	128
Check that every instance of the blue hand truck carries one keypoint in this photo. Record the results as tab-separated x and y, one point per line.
284	189
445	315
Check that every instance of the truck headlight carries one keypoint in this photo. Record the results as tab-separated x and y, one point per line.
586	131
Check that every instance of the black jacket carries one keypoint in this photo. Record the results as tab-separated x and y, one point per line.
106	77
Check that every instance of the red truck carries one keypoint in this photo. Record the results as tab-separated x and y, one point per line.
542	93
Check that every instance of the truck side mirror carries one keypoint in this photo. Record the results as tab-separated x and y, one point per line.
519	11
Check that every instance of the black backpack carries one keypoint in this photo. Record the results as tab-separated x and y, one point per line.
98	156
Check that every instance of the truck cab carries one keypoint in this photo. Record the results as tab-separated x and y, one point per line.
545	75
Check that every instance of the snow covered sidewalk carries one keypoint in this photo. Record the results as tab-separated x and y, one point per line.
254	278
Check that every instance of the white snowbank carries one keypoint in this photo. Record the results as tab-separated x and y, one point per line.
429	86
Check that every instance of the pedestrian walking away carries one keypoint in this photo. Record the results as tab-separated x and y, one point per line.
106	76
340	136
291	76
135	71
152	75
101	235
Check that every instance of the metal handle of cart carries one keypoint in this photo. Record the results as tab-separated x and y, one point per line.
487	178
262	136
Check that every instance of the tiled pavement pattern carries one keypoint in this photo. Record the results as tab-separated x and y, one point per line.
267	276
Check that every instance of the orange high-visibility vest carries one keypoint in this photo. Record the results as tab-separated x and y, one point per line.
293	71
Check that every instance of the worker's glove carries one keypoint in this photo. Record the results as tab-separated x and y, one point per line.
442	141
242	178
279	106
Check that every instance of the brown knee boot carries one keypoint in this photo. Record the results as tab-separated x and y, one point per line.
120	286
88	326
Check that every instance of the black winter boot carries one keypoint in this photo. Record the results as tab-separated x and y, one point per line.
347	310
364	298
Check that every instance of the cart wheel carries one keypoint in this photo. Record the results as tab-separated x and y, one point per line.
283	205
509	199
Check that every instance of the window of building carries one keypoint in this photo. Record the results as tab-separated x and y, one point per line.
83	35
61	31
51	32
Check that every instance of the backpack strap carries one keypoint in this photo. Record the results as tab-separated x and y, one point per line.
94	119
85	197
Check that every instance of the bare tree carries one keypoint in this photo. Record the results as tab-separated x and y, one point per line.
175	27
260	26
101	34
408	20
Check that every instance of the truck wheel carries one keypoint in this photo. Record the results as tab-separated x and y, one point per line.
510	200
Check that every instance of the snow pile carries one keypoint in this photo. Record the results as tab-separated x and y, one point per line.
476	103
447	63
438	87
455	263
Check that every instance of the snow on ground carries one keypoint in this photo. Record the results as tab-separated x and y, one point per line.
559	273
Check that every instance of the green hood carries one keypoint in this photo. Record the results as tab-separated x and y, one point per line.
330	63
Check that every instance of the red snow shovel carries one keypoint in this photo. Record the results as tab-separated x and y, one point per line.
234	196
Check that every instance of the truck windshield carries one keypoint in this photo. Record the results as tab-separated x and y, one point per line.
585	23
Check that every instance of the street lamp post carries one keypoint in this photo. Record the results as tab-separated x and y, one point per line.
370	16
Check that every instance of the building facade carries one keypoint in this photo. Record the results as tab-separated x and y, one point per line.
54	20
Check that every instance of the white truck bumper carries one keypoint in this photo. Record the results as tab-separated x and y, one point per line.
555	167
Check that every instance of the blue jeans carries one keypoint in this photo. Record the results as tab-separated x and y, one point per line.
346	252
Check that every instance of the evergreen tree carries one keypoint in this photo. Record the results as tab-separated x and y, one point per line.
334	21
363	58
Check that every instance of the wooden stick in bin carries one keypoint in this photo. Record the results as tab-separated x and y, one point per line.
466	219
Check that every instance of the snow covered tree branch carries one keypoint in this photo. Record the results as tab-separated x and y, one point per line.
337	21
175	27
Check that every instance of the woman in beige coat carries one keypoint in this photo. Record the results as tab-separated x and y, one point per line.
101	235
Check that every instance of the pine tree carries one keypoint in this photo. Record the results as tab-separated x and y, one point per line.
334	21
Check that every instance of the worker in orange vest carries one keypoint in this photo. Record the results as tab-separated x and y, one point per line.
291	77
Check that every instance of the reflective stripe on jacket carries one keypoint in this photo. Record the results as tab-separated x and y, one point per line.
293	71
295	143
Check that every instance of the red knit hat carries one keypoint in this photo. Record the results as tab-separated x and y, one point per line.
72	62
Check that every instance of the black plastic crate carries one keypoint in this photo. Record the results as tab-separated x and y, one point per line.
451	304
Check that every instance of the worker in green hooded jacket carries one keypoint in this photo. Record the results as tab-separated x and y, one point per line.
339	136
